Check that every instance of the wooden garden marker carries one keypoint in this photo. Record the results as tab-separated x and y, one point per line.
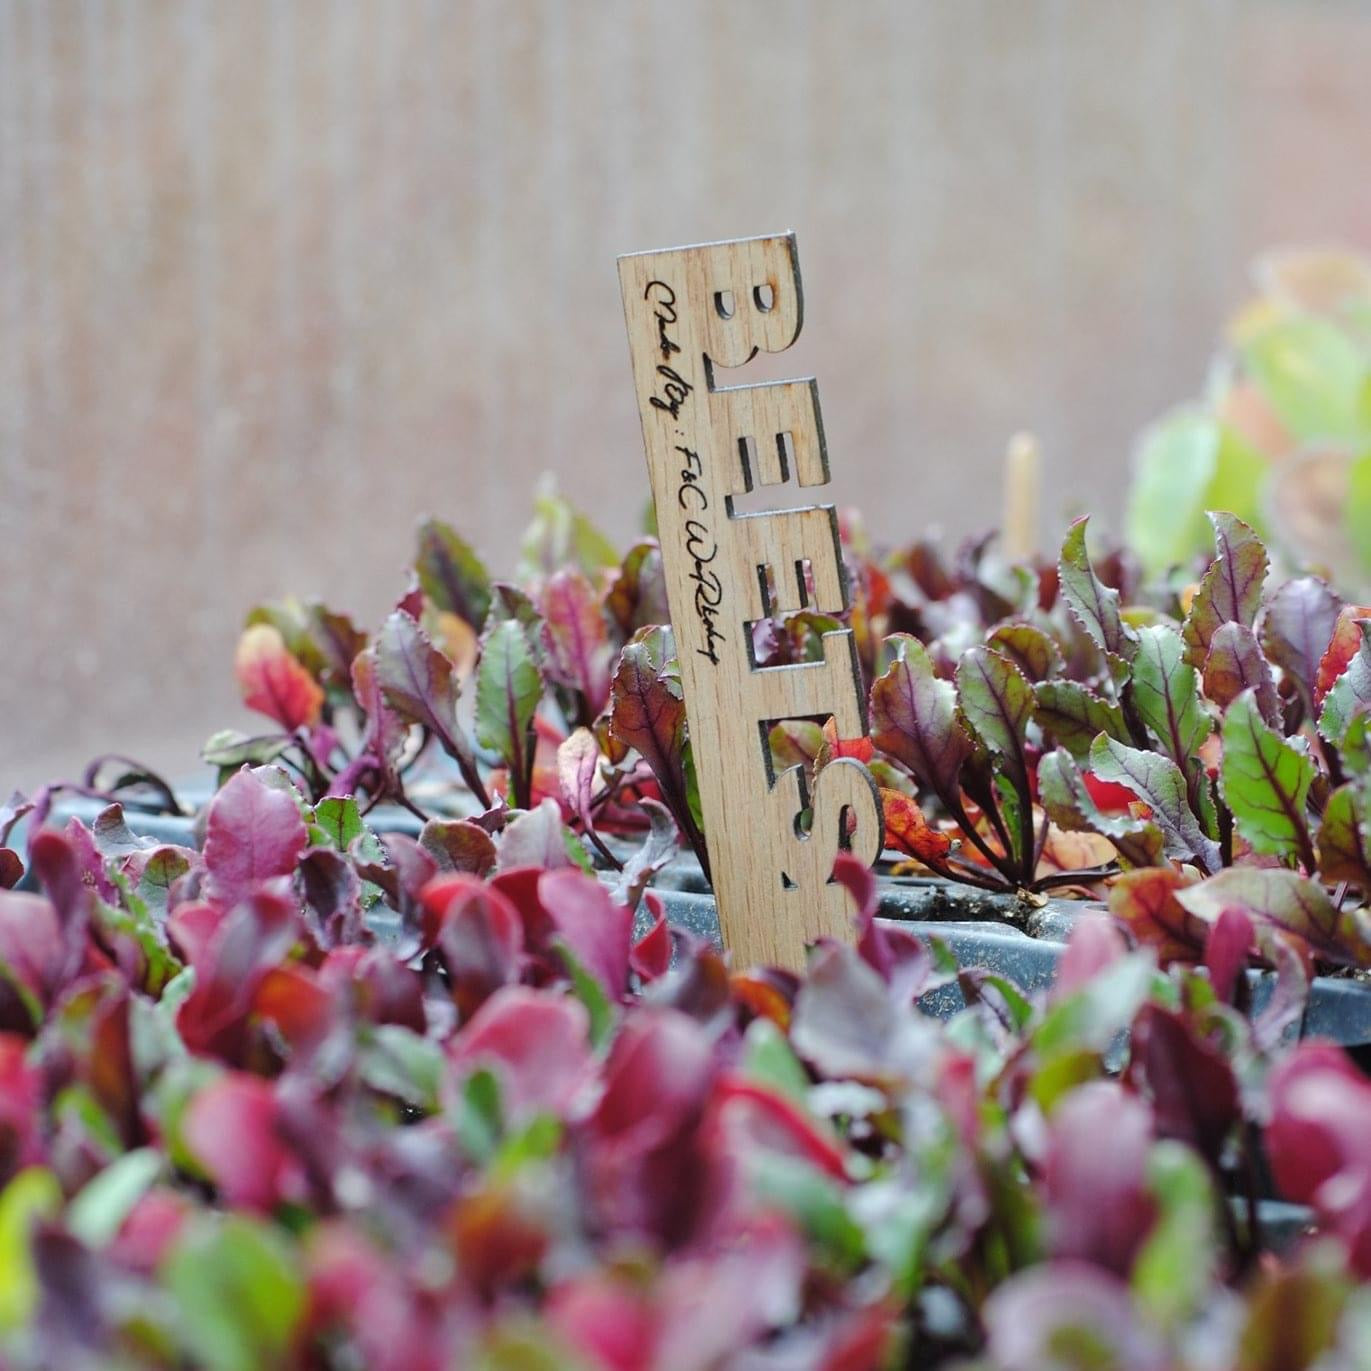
690	311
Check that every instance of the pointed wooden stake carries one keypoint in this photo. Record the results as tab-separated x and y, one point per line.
690	311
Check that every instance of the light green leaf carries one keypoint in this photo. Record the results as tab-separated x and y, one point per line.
240	1293
1172	1273
398	1061
31	1195
1356	517
769	1059
1314	375
340	821
508	688
590	993
106	1200
479	1121
1345	836
815	1203
1173	469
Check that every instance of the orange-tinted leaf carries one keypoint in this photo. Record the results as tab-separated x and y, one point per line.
1342	647
861	749
1065	851
908	831
272	680
1145	901
760	997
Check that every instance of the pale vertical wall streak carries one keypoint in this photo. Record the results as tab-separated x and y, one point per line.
346	262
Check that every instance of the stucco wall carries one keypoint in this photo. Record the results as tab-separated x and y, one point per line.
277	278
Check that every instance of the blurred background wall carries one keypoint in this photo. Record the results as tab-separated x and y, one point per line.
277	278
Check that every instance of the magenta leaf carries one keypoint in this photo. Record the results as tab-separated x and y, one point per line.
1231	941
575	639
537	838
1194	1092
254	833
536	1042
333	897
1094	1176
650	958
1319	1144
231	951
33	959
479	937
1095	943
230	1127
593	925
1073	1305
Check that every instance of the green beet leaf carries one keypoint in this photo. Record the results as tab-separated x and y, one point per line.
1230	590
1073	716
1159	783
1166	695
339	821
1094	605
1069	805
1287	903
1345	836
995	702
450	573
1265	783
241	1293
508	689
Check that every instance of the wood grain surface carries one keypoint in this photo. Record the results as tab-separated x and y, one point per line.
691	312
